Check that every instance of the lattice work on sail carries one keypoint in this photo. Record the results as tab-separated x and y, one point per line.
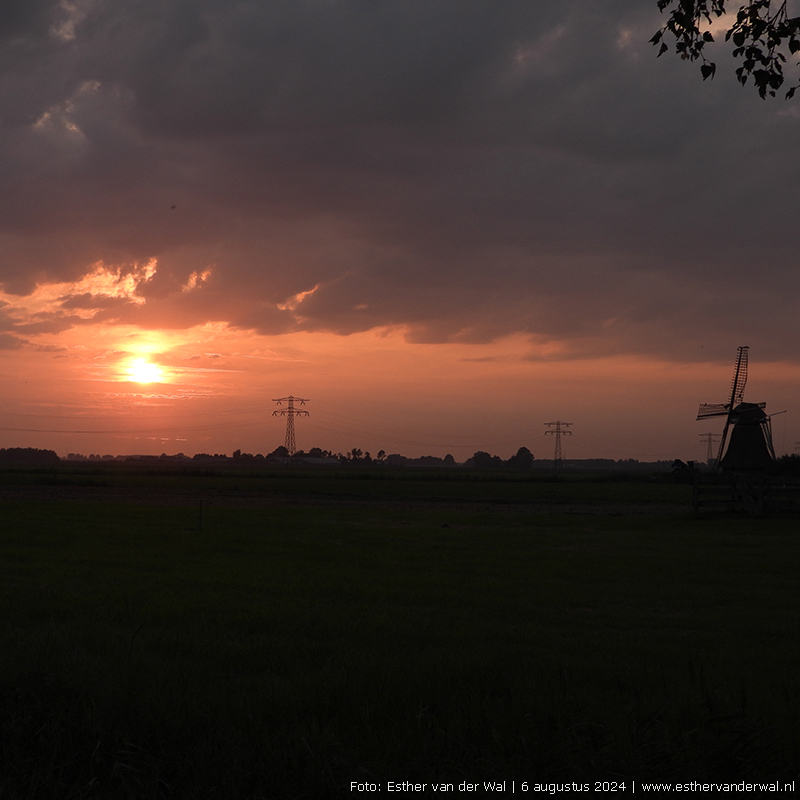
739	376
707	410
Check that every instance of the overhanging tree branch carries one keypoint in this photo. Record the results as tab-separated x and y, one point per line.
761	35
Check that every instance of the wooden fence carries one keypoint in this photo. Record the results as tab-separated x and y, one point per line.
751	493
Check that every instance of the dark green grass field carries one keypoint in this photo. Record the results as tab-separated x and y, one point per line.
289	645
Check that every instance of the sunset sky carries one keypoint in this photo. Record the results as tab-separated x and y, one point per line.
445	223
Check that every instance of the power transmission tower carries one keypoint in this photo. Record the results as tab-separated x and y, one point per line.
558	433
290	412
710	439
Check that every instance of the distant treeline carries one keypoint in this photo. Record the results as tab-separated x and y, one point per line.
523	459
27	455
788	465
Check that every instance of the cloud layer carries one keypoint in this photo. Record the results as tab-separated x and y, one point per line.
462	170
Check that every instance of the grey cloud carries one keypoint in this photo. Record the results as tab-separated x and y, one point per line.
464	169
89	301
49	323
19	18
10	342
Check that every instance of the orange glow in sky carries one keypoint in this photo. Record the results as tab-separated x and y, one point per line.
122	388
142	371
118	389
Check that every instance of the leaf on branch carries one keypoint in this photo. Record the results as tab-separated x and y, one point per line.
708	70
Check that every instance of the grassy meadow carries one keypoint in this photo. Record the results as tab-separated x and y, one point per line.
279	637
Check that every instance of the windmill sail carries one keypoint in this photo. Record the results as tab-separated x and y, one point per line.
737	393
707	410
712	410
739	377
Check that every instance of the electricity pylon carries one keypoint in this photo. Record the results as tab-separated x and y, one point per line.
558	433
290	412
710	439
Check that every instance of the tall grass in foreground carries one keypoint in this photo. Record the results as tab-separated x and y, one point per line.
285	652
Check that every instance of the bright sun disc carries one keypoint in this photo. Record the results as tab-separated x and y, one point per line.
143	371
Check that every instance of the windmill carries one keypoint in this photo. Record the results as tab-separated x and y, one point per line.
751	438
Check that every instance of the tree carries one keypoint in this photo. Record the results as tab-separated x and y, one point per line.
483	460
28	455
522	460
760	34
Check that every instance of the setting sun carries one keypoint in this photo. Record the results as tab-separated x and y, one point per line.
143	371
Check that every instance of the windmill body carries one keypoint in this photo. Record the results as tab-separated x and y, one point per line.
750	447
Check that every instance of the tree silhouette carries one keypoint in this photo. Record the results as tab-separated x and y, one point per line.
28	455
761	34
522	460
483	460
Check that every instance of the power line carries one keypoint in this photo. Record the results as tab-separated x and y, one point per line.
378	428
171	429
359	431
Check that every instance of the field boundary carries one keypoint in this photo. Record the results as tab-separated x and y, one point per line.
753	494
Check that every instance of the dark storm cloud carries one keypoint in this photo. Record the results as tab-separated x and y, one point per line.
49	323
22	18
465	169
91	301
10	342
